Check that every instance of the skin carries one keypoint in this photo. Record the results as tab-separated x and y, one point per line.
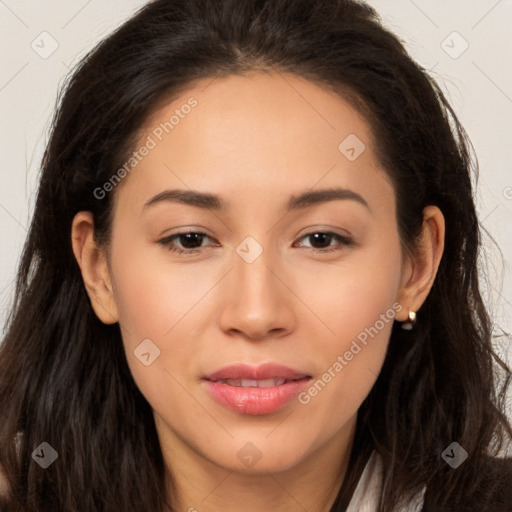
255	141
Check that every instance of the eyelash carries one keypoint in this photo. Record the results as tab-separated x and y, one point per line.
168	241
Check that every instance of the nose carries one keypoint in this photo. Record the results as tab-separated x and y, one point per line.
259	302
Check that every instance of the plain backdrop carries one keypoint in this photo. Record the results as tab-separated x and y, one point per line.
467	46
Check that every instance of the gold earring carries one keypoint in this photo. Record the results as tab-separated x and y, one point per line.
411	320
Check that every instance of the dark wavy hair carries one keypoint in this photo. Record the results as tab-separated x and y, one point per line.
64	377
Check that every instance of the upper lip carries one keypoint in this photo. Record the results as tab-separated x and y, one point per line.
261	372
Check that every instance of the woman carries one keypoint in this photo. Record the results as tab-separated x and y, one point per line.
251	282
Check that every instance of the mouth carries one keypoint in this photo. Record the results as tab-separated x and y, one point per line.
254	383
255	390
247	374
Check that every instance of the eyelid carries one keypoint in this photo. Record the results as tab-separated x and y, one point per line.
167	240
344	240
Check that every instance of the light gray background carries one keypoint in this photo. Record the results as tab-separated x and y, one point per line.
478	82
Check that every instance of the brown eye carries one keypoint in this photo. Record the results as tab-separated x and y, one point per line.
189	242
324	240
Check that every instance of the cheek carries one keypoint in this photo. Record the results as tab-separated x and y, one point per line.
157	303
168	304
350	296
153	295
357	304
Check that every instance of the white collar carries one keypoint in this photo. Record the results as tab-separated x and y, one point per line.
366	495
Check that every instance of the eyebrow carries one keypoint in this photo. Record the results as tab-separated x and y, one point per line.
213	202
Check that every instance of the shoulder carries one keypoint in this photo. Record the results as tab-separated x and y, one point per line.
495	482
492	489
497	478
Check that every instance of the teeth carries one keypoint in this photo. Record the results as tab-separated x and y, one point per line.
248	383
270	382
252	383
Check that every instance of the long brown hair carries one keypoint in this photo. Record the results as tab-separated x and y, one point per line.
64	378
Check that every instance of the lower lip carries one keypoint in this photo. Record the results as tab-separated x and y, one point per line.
256	400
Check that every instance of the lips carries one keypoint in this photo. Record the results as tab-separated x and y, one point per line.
252	383
255	390
260	373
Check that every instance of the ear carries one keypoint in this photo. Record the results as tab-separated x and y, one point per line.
92	261
420	269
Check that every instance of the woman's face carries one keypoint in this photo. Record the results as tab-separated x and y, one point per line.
254	284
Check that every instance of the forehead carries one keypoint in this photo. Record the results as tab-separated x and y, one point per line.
272	108
256	132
